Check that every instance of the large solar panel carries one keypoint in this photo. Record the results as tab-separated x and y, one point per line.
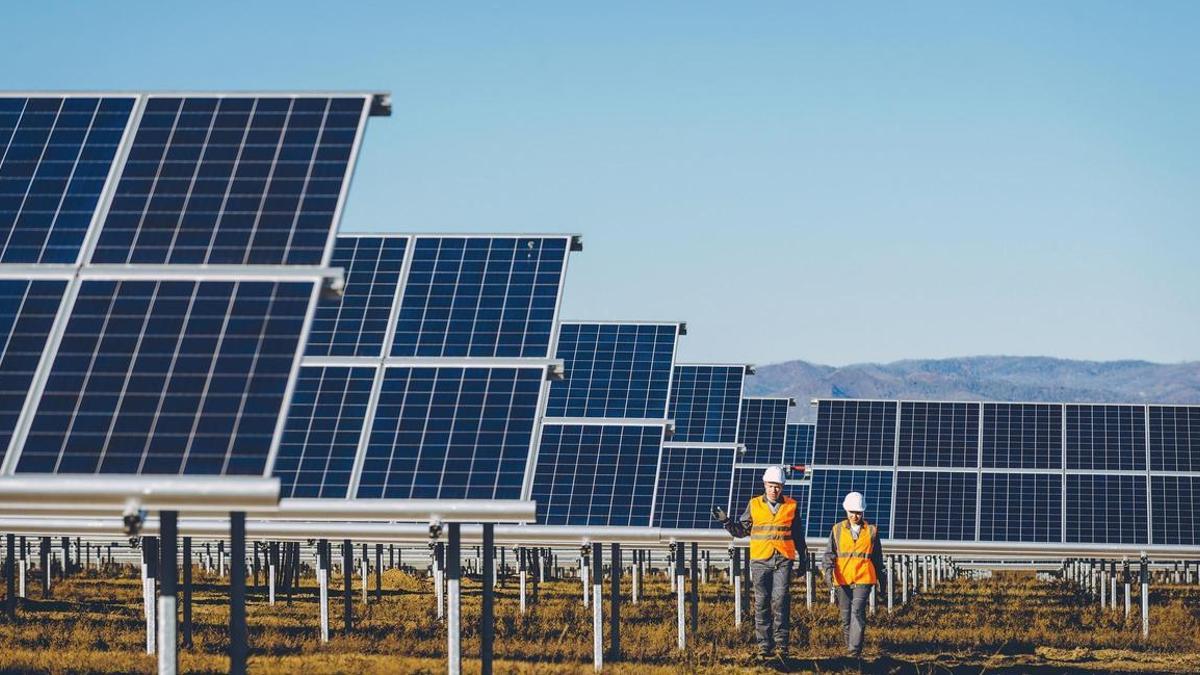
168	377
356	322
600	475
937	505
1022	436
1106	509
763	429
55	156
233	180
855	433
1174	438
798	446
481	297
1106	437
706	403
692	480
939	434
614	370
323	431
27	312
451	433
1020	507
829	488
747	484
1176	508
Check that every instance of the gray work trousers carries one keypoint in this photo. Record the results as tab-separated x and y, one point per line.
852	602
772	601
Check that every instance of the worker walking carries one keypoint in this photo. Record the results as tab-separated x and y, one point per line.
853	562
776	543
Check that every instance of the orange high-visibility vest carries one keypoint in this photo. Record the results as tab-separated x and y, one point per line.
771	532
854	555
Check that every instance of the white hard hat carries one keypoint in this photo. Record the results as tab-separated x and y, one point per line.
854	502
773	474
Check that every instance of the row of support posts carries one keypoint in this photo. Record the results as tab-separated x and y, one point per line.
1099	578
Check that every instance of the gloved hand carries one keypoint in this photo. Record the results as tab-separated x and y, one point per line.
719	515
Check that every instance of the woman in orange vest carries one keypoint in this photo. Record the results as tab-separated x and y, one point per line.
854	560
776	543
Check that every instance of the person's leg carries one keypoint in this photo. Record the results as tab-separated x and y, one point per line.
858	619
761	576
781	601
845	597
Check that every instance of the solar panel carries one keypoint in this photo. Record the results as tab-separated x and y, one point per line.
798	446
692	480
599	475
232	180
1174	438
1106	509
27	311
323	430
856	433
614	370
55	155
1176	507
1022	436
747	484
355	323
481	297
939	434
168	377
451	432
829	488
1106	437
706	403
763	429
937	505
1020	507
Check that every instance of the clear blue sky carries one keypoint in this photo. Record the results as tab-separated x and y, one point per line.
838	184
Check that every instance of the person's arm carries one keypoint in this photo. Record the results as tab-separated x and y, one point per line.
801	545
829	559
741	526
877	560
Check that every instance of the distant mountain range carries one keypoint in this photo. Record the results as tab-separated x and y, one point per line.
981	378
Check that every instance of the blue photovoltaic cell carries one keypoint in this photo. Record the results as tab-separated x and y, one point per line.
55	156
693	481
763	429
747	484
27	311
1174	438
856	433
1022	436
451	433
1106	509
1176	506
706	403
480	296
324	425
798	446
232	180
829	488
168	377
613	370
1106	437
1020	507
596	474
355	323
936	505
939	434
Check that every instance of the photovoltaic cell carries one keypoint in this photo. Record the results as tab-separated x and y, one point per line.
168	377
763	429
856	433
232	180
481	297
451	433
27	311
691	482
613	370
324	425
1176	506
55	155
706	403
1174	438
798	447
1022	436
937	505
747	485
939	434
1106	509
355	323
829	488
1106	437
600	475
1020	507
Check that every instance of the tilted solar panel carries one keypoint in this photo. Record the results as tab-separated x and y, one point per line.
1107	509
692	480
706	403
798	446
1022	436
1106	437
1176	508
1174	438
939	434
1020	507
829	488
614	370
356	322
763	429
937	505
27	312
856	433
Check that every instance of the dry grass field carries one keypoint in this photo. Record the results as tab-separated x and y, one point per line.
1011	623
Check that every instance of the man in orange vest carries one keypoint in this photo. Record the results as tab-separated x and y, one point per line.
776	543
853	561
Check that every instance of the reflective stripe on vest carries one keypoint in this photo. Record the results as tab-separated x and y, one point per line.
854	564
771	532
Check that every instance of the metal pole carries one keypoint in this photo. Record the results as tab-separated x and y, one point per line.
238	647
746	581
677	553
324	562
1112	581
521	573
1102	586
808	582
347	586
735	574
168	659
614	627
10	577
149	574
583	575
890	584
45	555
1145	597
453	574
695	589
1125	576
187	594
378	572
487	624
597	609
